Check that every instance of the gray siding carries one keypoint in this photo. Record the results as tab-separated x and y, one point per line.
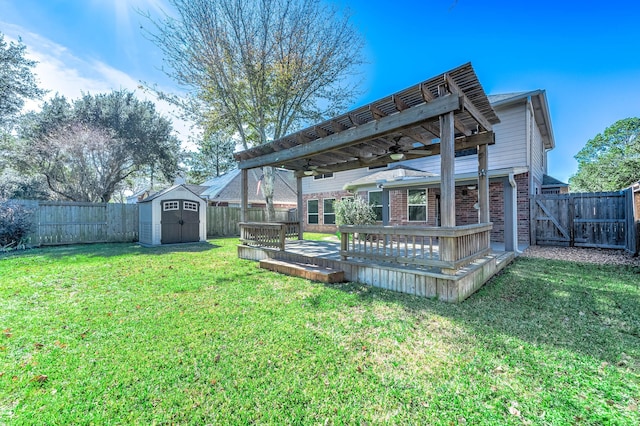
335	183
510	150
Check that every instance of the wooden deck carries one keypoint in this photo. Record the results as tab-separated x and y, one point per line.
413	279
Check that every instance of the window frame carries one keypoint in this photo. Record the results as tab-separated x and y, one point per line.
170	205
324	211
191	206
316	214
425	205
376	206
322	176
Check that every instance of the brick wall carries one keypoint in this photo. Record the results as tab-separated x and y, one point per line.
466	213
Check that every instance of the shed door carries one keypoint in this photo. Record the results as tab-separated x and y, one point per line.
180	221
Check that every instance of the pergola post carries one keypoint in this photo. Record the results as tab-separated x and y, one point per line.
300	207
244	194
447	187
483	184
447	171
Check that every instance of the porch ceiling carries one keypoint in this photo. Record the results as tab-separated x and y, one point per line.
406	122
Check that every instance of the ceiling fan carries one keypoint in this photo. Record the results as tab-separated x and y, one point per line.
396	152
310	170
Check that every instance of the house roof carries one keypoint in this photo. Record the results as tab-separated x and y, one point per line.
227	188
551	181
540	110
392	174
367	135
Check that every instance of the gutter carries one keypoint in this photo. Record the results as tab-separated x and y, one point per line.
409	181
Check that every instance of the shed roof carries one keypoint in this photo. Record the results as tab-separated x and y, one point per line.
367	135
167	190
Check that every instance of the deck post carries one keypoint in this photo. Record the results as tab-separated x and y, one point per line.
483	183
300	207
244	194
447	187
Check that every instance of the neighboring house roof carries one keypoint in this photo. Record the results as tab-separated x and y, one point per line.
540	110
387	175
551	181
196	189
227	188
166	190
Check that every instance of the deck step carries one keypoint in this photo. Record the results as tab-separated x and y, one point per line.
303	270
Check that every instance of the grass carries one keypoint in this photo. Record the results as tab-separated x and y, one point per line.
119	334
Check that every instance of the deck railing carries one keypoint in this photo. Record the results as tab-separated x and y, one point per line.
268	234
448	248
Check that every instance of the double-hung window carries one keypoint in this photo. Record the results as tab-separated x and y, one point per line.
417	205
312	212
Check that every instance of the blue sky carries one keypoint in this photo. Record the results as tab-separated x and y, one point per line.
585	55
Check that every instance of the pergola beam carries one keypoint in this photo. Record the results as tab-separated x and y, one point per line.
468	105
394	123
463	142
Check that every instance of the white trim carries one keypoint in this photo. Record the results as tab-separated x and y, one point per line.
426	204
170	206
462	177
324	213
317	213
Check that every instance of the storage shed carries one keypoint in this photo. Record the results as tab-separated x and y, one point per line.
173	215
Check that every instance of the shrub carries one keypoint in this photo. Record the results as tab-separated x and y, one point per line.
15	224
354	211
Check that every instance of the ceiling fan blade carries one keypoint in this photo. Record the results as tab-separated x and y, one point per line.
420	151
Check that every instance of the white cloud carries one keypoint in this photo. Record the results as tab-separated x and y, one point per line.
60	71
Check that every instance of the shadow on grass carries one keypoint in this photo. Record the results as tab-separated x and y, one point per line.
110	250
590	309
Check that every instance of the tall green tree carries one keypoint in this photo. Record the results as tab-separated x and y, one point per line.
17	82
261	68
85	149
214	156
611	160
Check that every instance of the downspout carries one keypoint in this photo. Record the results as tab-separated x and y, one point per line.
514	206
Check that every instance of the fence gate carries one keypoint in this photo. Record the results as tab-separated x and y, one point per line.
598	219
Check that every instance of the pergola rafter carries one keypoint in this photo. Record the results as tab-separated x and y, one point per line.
446	113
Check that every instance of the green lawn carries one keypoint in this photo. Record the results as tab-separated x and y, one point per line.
119	334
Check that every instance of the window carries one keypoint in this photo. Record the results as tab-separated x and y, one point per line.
170	205
188	205
329	216
323	176
312	212
417	205
347	197
375	199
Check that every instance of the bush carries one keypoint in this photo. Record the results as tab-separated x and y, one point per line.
15	225
354	211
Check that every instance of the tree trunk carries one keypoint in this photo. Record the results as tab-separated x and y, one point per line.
267	191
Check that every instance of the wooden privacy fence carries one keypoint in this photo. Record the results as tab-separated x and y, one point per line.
57	223
598	219
225	221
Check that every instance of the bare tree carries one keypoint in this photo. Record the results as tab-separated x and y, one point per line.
81	162
263	67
